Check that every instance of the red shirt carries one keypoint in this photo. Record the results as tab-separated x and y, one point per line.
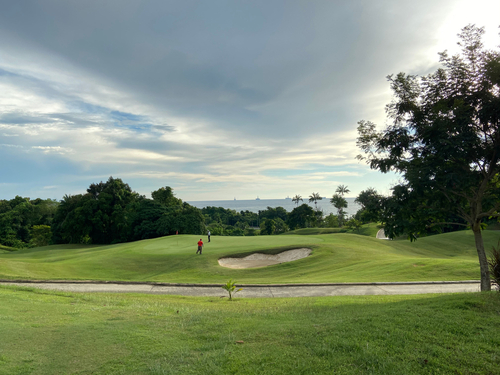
200	243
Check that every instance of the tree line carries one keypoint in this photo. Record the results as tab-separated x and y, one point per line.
110	212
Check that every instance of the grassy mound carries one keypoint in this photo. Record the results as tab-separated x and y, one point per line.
5	249
341	257
47	332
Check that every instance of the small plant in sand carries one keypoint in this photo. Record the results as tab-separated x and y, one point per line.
494	263
230	287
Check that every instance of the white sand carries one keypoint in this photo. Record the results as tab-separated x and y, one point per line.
263	260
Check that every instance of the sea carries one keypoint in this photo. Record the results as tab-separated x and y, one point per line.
256	205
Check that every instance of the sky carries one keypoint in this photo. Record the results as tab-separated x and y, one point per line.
216	99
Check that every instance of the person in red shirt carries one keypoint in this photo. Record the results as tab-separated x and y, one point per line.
200	246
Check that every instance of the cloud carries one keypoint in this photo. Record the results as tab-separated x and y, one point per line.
212	98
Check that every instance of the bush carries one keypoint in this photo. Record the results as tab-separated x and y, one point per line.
353	224
331	221
251	232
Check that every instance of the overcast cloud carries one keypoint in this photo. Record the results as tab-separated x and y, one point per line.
217	99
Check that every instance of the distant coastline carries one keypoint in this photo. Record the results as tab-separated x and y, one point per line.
254	205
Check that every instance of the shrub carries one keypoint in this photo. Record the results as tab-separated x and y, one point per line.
230	287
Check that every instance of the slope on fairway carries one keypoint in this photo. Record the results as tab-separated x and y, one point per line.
336	258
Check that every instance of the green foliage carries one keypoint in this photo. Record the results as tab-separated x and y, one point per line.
353	224
371	205
230	288
301	216
111	212
339	202
268	227
230	217
251	232
228	222
342	190
19	215
443	138
315	197
165	197
296	199
41	235
273	213
280	226
331	221
494	264
102	214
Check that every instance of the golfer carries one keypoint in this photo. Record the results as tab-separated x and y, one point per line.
208	236
200	246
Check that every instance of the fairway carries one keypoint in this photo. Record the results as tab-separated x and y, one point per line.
337	257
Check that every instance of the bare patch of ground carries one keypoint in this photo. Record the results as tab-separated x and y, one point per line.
262	260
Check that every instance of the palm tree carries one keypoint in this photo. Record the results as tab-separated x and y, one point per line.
315	197
342	189
339	203
296	199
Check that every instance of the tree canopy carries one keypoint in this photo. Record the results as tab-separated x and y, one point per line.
371	205
111	212
443	137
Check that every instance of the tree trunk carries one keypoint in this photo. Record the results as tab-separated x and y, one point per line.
483	262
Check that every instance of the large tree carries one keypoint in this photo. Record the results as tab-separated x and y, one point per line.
371	205
443	137
301	217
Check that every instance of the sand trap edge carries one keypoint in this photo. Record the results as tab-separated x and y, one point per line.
256	260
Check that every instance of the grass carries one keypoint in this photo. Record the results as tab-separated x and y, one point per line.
46	332
370	230
4	249
340	257
311	231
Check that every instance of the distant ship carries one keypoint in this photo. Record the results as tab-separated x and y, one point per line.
235	198
288	197
257	199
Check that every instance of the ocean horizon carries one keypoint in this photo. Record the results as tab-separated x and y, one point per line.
254	205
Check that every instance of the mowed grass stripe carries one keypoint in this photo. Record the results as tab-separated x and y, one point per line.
339	257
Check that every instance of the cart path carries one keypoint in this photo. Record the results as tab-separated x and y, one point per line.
257	291
381	235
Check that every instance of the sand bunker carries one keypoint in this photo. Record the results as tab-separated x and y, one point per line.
263	260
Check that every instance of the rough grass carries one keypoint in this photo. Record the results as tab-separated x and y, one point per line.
45	332
340	257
